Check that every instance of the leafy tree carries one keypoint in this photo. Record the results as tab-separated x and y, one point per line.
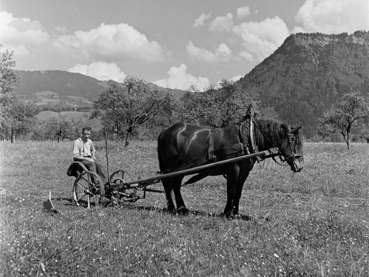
8	77
14	114
350	111
124	107
217	107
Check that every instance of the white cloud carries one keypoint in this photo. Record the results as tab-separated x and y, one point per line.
115	41
101	71
21	34
232	79
222	53
333	16
61	29
260	39
201	19
222	23
235	78
243	12
247	56
179	78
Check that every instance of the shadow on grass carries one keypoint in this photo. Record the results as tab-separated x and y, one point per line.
83	204
70	202
190	212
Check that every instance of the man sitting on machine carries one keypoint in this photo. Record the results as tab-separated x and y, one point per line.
84	152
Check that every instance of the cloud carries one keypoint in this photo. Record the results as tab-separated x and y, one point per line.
201	19
333	16
260	39
115	41
21	34
179	78
61	29
243	12
232	79
222	23
101	71
222	53
236	78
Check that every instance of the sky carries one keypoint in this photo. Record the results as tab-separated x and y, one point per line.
176	44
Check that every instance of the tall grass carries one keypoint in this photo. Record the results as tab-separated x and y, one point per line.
315	223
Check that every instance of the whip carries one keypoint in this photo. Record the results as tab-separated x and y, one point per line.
106	153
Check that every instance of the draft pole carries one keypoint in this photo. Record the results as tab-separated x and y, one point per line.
106	153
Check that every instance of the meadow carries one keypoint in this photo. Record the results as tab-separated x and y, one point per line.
312	223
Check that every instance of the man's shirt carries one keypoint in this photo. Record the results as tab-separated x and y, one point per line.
83	150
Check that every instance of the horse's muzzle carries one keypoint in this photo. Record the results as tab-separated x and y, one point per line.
297	164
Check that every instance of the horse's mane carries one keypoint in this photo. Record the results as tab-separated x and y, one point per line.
269	133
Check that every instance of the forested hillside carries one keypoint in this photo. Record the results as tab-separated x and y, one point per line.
308	73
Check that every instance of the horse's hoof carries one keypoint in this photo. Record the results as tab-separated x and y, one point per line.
170	210
182	210
229	214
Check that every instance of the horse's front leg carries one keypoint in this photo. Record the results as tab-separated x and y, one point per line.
232	178
241	180
245	168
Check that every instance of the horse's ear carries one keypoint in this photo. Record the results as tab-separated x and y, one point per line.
296	130
250	111
285	128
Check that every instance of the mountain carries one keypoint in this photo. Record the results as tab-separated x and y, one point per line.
302	79
308	73
54	88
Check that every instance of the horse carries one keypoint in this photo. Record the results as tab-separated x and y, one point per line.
183	146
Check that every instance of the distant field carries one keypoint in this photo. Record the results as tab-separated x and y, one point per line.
315	223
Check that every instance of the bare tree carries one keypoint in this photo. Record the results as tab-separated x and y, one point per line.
351	109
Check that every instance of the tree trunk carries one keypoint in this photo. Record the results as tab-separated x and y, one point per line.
12	136
348	139
126	140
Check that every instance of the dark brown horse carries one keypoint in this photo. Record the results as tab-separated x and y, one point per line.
183	146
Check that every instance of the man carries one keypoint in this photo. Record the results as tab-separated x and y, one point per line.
84	152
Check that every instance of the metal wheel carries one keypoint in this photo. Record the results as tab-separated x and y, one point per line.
120	192
118	174
85	187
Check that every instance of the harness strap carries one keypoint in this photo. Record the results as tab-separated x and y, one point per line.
211	155
248	141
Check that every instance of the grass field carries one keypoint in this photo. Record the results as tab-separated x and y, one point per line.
314	223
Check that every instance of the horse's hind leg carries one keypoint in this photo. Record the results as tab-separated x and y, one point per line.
181	207
168	188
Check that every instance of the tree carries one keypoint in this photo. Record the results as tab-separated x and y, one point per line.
217	107
14	114
7	99
124	107
350	111
8	77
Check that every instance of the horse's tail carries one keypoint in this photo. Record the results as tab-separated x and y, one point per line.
160	152
168	148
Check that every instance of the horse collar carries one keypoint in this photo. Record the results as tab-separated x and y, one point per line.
248	140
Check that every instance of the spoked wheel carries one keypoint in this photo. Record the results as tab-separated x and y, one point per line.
121	192
85	187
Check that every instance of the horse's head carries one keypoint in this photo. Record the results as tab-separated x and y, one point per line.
291	148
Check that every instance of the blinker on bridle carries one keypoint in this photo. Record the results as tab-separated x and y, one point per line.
292	157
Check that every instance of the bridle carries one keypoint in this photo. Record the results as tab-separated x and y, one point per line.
291	158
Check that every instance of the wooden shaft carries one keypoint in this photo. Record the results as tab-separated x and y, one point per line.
106	154
196	169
